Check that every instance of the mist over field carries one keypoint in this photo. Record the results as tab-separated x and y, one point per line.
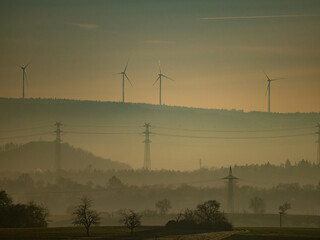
102	154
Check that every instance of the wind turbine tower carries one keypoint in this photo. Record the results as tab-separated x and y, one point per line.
231	181
124	75
24	74
269	88
160	75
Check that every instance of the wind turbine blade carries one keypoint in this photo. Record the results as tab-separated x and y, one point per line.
276	79
116	73
156	81
167	77
126	67
267	89
266	75
25	66
159	66
128	80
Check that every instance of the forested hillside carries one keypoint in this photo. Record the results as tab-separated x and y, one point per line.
39	156
180	136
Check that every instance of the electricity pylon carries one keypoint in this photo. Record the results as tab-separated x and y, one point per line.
147	160
58	147
231	179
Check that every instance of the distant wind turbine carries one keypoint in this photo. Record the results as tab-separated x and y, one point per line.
269	88
160	75
124	75
24	75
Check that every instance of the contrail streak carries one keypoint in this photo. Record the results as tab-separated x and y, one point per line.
257	17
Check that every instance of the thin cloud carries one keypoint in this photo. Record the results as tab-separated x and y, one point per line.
257	17
85	26
158	42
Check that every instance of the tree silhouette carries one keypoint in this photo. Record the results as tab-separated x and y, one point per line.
5	200
21	215
257	205
131	220
208	212
163	205
284	207
206	216
84	215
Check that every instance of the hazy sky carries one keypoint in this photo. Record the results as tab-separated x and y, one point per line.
214	50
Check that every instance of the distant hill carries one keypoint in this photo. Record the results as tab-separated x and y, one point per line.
181	135
40	156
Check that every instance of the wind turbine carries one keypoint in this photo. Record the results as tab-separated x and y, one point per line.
269	88
23	68
124	75
160	75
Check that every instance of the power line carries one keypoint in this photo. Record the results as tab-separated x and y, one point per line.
101	126
233	131
167	134
101	133
214	137
24	129
23	136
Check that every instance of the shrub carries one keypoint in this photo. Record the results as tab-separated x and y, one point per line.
206	216
21	215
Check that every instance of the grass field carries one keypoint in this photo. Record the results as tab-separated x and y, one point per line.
160	233
275	234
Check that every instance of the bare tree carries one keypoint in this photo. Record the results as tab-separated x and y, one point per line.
257	205
189	215
84	215
206	216
208	212
131	220
283	209
163	205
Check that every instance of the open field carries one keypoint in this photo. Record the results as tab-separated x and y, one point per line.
160	233
238	220
275	234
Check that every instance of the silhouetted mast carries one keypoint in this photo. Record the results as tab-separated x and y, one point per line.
23	76
160	75
231	179
318	141
147	160
269	88
58	147
124	75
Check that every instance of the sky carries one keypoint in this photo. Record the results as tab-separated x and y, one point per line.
216	51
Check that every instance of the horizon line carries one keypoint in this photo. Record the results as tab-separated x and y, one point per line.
259	17
154	104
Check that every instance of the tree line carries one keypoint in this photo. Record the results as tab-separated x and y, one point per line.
60	196
262	175
206	216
